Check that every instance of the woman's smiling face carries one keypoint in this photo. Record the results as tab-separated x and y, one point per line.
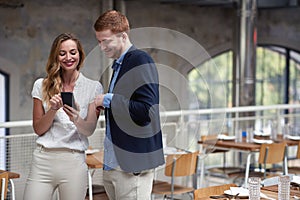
68	55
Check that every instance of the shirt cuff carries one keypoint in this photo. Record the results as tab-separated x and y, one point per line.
107	99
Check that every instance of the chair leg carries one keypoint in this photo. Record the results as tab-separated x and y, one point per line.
152	196
265	160
224	159
191	195
285	166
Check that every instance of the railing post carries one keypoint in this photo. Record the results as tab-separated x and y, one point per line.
181	140
279	130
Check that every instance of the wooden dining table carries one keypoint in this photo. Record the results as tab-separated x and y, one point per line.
270	191
294	191
244	147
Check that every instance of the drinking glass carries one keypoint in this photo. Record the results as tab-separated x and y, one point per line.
249	135
239	136
286	131
254	188
284	187
274	131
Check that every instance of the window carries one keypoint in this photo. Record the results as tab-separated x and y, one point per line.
211	82
277	77
277	81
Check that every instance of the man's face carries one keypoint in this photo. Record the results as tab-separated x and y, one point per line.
111	44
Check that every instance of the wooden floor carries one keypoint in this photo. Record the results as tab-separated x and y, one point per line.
101	196
98	193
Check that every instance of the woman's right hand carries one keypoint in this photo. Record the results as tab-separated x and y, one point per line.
56	102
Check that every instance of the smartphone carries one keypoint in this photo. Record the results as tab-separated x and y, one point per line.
68	98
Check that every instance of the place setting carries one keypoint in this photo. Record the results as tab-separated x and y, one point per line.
238	193
226	137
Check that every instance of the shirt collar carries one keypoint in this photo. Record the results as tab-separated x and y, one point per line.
120	59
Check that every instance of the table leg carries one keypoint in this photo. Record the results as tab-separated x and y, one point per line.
13	197
202	172
90	185
247	168
3	180
285	166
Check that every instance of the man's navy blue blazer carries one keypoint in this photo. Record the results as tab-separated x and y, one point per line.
134	114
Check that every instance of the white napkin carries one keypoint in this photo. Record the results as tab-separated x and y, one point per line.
243	192
262	133
296	179
239	190
270	181
262	141
293	137
226	137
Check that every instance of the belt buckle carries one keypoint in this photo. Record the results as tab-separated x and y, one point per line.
40	147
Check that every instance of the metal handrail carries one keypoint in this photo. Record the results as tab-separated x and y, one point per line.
184	113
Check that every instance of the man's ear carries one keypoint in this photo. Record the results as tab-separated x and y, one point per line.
124	35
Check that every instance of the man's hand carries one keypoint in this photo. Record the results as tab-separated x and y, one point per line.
99	102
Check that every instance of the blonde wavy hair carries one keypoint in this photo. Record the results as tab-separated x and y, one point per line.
52	83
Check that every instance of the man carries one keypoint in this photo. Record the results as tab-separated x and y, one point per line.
133	143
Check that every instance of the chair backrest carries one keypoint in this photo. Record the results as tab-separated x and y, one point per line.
183	164
209	148
3	184
209	137
272	153
298	151
213	190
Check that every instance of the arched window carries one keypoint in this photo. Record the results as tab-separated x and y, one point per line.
277	77
277	81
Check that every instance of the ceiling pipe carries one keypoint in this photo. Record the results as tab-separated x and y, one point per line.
245	53
244	63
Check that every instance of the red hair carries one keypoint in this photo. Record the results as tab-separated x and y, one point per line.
112	20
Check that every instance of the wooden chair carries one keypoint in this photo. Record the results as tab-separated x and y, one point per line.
269	154
223	171
272	154
213	190
94	161
11	176
177	165
3	184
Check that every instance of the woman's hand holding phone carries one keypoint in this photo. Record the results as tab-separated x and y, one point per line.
70	106
68	99
56	102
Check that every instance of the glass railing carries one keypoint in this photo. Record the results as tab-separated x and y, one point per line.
181	129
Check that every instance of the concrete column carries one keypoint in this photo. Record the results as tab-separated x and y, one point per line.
120	6
109	5
105	62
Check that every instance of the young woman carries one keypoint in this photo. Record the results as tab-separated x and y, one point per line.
59	159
